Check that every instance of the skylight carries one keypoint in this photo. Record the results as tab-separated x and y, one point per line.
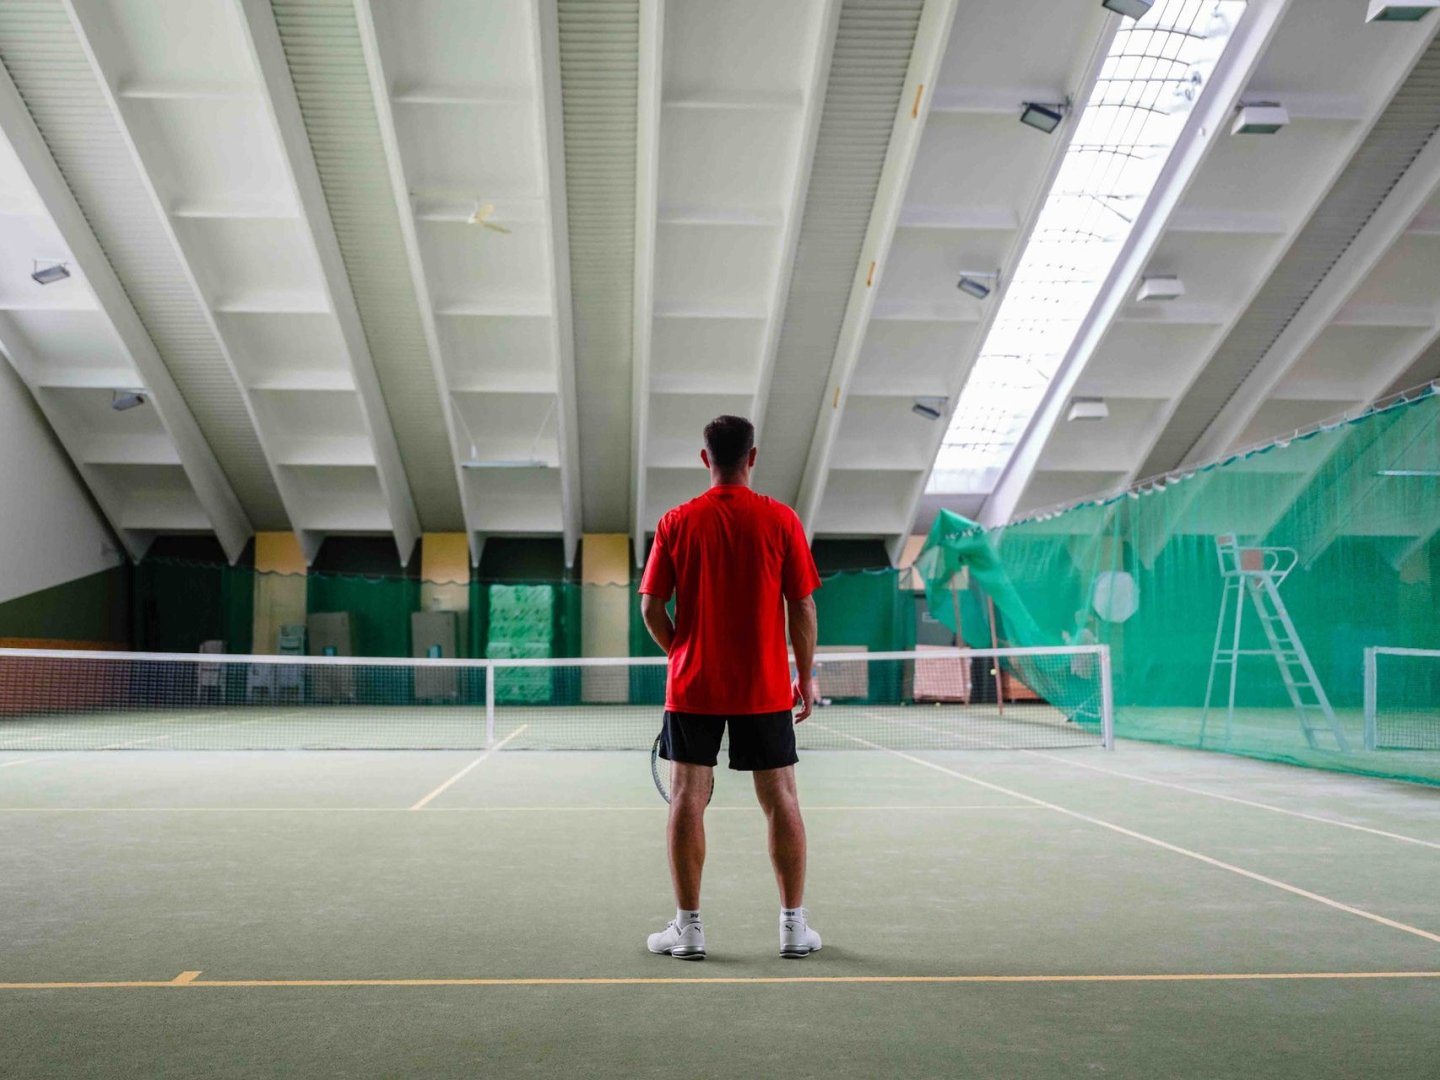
1152	77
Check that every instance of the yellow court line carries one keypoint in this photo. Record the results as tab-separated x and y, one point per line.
1156	841
499	745
191	979
657	809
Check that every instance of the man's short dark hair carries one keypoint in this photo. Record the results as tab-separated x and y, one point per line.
729	440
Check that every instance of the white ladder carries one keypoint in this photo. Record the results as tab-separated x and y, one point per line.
1258	572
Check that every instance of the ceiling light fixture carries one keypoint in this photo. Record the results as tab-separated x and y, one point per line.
1414	11
121	400
1132	9
1044	118
1261	118
1160	288
931	408
516	463
1409	472
1088	408
972	282
48	272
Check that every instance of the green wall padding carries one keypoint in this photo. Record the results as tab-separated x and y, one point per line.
92	608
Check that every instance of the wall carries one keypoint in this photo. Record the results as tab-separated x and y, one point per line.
50	532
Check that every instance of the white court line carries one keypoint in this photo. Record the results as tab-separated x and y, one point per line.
1237	799
499	745
1185	787
27	760
1156	841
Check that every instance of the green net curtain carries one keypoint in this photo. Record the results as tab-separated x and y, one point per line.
1355	507
179	604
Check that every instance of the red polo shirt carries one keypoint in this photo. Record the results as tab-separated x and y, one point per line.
732	558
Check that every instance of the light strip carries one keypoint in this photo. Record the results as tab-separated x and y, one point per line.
1155	71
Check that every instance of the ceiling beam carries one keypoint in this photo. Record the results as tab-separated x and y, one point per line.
812	105
932	38
283	107
212	488
1202	129
101	45
1084	77
1385	228
278	95
550	116
649	107
405	212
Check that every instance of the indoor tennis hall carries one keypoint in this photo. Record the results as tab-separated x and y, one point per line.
353	354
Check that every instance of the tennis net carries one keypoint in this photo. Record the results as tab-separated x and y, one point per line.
1402	699
931	699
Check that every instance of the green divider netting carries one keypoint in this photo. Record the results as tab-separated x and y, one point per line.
1329	544
178	605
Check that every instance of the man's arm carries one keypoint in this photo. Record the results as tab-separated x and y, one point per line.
804	628
657	621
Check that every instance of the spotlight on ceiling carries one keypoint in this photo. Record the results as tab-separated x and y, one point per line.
1133	9
1044	118
1160	288
48	273
929	407
1414	11
121	400
1088	408
972	282
1262	118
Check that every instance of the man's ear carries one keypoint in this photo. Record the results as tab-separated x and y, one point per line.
751	460
705	458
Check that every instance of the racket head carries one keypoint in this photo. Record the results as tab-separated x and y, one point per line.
660	771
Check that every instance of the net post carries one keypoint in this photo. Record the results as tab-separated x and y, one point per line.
490	703
1370	697
1107	701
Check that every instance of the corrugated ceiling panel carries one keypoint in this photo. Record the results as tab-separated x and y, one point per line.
44	58
1408	123
599	80
327	64
867	77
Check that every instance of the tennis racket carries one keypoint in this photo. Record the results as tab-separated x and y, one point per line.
660	771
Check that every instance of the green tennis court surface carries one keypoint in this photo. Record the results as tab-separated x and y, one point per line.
1007	913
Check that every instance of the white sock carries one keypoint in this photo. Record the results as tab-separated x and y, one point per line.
683	917
792	914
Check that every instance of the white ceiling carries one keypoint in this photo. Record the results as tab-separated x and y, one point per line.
735	206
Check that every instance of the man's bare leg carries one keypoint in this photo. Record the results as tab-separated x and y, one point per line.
775	788
690	787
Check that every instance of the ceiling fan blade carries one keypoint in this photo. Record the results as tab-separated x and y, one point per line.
497	228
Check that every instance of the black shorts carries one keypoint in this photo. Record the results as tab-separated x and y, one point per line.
757	742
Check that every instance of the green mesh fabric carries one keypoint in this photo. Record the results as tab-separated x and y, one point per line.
1356	506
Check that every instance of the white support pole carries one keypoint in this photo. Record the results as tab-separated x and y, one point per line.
489	704
1370	698
1107	701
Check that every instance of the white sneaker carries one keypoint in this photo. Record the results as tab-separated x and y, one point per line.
682	942
797	940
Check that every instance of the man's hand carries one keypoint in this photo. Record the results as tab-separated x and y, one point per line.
803	692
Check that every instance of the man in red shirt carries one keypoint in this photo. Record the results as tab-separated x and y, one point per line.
738	564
